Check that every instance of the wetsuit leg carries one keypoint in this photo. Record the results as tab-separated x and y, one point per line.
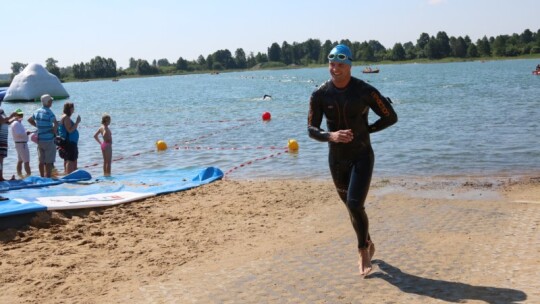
352	180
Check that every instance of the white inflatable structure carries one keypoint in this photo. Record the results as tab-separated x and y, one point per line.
33	82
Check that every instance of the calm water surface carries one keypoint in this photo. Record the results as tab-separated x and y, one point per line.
468	118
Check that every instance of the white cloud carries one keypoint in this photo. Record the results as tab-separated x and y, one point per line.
436	2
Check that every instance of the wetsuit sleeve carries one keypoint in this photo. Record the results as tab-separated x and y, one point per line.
315	117
382	107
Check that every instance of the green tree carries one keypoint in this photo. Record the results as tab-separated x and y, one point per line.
209	62
261	58
325	50
251	61
201	61
287	53
217	66
444	45
432	50
17	67
274	52
240	59
499	45
398	52
163	62
472	51
410	50
459	47
132	63
313	50
224	58
100	67
422	41
79	71
378	49
144	68
484	48
181	64
50	65
366	52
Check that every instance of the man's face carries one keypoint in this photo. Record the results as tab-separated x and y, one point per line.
339	71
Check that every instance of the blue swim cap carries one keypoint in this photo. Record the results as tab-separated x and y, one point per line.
340	53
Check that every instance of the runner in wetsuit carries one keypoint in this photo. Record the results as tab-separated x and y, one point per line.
345	102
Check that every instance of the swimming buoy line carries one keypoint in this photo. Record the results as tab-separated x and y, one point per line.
249	162
225	148
176	146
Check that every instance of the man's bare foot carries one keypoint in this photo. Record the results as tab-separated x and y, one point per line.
364	262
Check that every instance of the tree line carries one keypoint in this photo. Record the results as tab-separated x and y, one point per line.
311	51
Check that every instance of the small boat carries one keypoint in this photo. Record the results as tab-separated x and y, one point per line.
370	70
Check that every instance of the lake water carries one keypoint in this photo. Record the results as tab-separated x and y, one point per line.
469	118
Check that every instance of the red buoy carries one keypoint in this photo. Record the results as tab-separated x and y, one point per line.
266	116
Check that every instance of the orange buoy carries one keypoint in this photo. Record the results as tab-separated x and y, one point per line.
293	145
161	145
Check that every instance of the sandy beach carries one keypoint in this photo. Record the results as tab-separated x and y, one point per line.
458	239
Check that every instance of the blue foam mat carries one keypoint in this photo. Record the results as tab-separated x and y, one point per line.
68	193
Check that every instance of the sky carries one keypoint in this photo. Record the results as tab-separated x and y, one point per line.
74	31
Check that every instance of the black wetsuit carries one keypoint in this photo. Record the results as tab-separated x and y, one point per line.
351	164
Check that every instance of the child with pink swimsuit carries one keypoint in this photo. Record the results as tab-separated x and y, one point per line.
105	143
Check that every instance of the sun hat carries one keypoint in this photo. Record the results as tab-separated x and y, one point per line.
340	53
46	98
19	112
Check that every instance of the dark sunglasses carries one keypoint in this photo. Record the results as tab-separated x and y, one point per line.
339	56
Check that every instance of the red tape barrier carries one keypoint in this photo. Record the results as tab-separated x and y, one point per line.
188	141
247	163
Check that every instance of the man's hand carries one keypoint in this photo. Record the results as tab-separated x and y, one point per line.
341	136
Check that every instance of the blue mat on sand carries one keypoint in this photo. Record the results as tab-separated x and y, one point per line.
76	191
36	181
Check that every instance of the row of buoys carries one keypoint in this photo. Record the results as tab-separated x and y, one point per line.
292	144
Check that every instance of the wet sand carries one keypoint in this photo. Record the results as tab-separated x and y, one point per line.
438	240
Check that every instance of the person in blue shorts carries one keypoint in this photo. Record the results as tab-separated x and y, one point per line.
345	102
47	129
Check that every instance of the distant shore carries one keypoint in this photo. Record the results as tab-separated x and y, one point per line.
6	83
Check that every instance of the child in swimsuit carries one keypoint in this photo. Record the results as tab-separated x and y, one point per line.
105	143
